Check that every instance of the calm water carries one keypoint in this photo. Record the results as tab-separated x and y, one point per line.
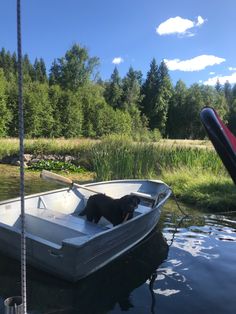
184	266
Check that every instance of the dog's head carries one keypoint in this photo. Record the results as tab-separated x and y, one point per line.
128	204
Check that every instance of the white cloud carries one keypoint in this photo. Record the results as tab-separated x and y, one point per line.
200	21
195	64
231	69
178	25
117	60
212	73
222	79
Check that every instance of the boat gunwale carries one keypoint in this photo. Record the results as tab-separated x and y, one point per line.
15	199
157	207
102	232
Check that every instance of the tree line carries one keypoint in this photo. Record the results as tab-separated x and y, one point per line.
73	101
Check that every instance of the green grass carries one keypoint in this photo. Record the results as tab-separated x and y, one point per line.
117	157
202	188
195	172
40	146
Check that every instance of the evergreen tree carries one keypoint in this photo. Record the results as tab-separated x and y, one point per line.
7	63
14	63
28	69
5	113
131	96
165	92
228	93
40	71
113	90
12	104
194	104
218	86
176	124
234	92
232	117
212	98
149	92
56	100
2	58
232	111
55	73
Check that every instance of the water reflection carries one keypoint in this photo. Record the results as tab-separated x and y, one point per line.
99	293
198	277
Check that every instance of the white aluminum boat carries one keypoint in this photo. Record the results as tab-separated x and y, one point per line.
61	242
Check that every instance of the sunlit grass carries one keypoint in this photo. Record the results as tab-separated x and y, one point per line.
184	143
45	146
202	188
192	168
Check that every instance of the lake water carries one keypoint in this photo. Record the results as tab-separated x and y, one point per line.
184	266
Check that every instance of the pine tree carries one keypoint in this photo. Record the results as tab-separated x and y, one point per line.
40	71
228	93
149	92
176	114
218	86
5	113
55	73
131	96
7	63
113	90
165	92
28	69
194	103
232	111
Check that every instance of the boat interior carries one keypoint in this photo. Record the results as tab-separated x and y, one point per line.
53	217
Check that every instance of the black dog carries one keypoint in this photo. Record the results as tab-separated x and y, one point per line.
114	210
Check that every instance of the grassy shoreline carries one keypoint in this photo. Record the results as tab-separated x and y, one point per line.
191	168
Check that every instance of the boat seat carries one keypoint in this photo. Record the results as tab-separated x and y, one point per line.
69	221
144	196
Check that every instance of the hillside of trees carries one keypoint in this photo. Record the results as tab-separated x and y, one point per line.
73	101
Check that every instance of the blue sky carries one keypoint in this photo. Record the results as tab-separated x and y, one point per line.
196	38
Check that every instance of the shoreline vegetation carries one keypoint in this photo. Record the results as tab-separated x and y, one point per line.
191	167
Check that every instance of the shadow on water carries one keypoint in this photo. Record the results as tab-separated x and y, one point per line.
98	293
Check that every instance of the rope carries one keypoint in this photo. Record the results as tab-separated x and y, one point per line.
21	138
175	231
177	203
151	283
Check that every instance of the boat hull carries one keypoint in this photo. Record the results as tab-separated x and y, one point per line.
62	243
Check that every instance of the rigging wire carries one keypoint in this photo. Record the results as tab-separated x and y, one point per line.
21	139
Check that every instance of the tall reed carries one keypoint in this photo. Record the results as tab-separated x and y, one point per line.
118	157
